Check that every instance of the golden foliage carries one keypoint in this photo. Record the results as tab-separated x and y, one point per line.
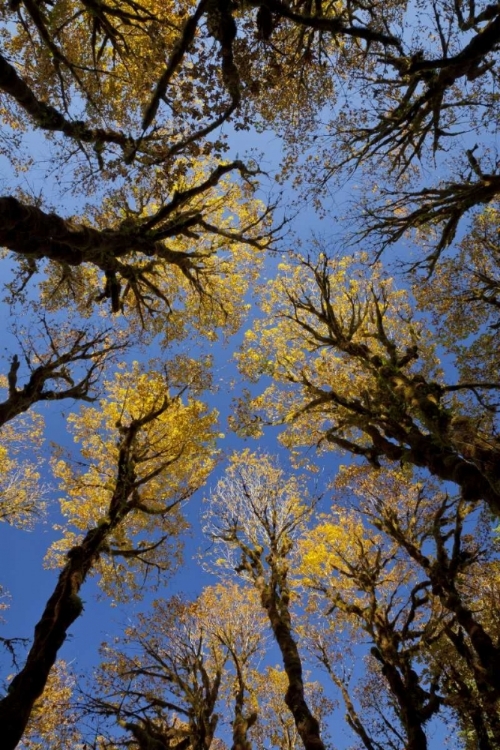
22	492
172	455
53	722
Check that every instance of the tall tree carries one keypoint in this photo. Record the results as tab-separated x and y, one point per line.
137	214
180	671
141	458
354	368
254	516
410	567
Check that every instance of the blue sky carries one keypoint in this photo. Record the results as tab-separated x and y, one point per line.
23	574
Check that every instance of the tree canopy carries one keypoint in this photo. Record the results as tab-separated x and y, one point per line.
348	284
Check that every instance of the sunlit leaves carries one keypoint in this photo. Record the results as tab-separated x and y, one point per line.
330	327
178	669
23	494
168	459
255	510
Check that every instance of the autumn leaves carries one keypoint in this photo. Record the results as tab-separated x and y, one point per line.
138	251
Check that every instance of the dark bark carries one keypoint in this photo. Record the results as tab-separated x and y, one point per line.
401	133
119	252
147	738
487	671
464	700
93	350
307	725
49	118
414	705
242	722
65	606
334	26
395	647
61	610
424	451
178	53
352	717
443	573
274	598
271	583
444	206
403	418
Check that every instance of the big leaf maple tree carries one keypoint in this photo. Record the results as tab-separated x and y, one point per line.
132	237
